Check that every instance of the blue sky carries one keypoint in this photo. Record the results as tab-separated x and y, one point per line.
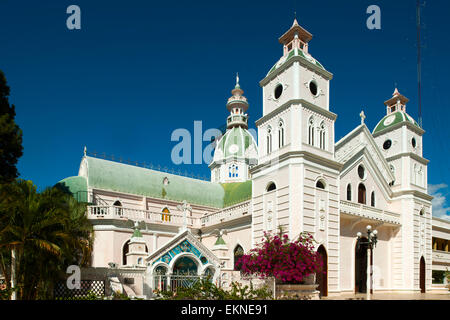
138	70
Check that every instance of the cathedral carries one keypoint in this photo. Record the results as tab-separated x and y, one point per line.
295	175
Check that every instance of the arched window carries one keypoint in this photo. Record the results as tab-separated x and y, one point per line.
271	186
311	131
362	194
238	253
118	208
233	171
320	184
372	199
280	134
125	250
269	140
165	214
349	192
322	136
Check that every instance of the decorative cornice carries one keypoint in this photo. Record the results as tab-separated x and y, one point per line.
303	103
332	164
411	126
415	193
304	62
416	157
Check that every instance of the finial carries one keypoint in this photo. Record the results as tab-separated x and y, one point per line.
85	150
363	116
237	79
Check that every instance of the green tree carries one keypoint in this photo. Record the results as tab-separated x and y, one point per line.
49	232
10	135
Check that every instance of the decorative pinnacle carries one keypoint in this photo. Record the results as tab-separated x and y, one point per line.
85	150
237	80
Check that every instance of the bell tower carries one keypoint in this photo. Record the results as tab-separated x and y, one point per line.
295	180
400	140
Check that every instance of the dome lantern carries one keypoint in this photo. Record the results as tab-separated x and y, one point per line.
237	105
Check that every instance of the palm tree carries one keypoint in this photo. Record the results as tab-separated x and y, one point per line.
48	230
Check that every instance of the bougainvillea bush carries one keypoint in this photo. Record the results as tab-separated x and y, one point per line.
287	261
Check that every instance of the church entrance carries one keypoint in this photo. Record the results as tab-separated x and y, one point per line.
322	277
361	267
422	275
185	266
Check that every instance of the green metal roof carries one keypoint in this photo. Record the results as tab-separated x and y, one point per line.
392	119
77	186
137	233
237	192
219	241
120	177
294	53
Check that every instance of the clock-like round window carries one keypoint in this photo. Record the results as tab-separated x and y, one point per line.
278	91
387	144
413	142
313	88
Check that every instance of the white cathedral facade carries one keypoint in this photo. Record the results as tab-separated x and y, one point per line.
297	176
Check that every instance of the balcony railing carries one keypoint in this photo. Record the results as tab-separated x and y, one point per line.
227	214
116	212
119	213
363	211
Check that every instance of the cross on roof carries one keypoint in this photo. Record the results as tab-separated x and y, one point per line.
363	116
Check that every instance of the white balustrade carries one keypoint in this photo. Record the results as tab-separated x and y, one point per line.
364	211
229	213
116	212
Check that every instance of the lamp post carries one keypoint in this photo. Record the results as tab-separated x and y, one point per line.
371	243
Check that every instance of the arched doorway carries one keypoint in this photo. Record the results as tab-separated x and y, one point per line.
422	275
322	277
361	266
185	266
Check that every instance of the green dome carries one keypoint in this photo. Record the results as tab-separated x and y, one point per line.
292	54
235	143
392	119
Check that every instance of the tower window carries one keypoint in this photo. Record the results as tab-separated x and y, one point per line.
269	140
413	142
361	172
320	184
362	193
349	192
278	91
387	144
322	136
271	187
313	88
281	135
372	199
311	131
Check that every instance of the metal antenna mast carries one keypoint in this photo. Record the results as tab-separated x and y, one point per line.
419	64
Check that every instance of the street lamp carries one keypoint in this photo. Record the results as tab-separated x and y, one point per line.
371	243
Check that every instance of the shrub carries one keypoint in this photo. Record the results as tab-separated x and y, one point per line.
287	261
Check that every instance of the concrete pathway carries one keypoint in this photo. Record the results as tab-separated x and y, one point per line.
394	296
